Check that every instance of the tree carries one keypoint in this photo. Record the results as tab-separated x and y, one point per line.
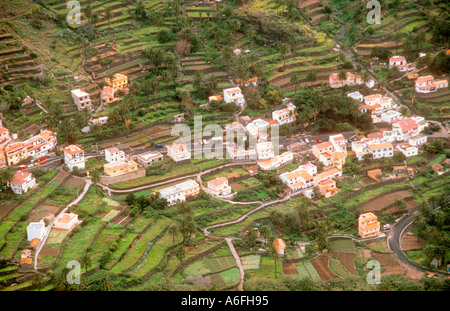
400	204
180	253
85	262
274	253
295	79
6	176
38	281
342	76
284	49
108	15
266	232
311	77
95	177
165	78
173	230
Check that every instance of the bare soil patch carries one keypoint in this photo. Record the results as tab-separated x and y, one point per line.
74	182
290	269
322	268
410	242
43	211
6	207
49	251
385	200
347	260
390	264
237	186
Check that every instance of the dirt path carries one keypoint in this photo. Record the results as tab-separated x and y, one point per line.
238	263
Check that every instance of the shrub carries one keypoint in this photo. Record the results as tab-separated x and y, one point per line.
37	23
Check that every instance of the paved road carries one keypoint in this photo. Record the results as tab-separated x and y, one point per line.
238	263
394	241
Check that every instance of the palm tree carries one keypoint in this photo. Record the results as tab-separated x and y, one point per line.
95	175
311	76
108	15
284	49
342	76
85	262
295	79
180	253
265	232
274	253
165	78
6	176
173	229
38	281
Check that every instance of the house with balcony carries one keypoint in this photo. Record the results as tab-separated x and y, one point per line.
327	188
297	179
118	81
427	84
178	152
234	95
15	152
339	143
257	127
81	99
180	192
120	167
107	94
329	174
40	145
2	158
399	62
5	137
219	187
66	222
285	115
368	225
22	182
408	150
74	157
265	150
350	79
114	155
383	150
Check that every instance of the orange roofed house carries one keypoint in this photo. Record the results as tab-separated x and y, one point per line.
74	157
327	188
280	246
219	187
351	79
368	225
22	182
67	222
15	152
427	84
399	62
118	81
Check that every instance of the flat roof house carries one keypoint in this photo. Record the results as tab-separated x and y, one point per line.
368	225
66	222
81	99
178	152
149	158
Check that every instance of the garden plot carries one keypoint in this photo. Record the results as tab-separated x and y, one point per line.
306	270
343	246
290	269
220	263
385	200
323	269
411	242
389	263
197	268
57	236
43	211
251	262
110	215
230	276
347	260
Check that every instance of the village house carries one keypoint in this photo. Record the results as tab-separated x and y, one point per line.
219	187
339	143
351	79
2	158
234	94
408	150
356	96
4	136
427	84
107	94
418	140
390	115
375	174
22	182
36	230
330	174
338	159
368	225
238	153
327	188
322	152
118	81
273	163
178	152
252	81
40	145
66	222
149	158
285	115
120	167
438	168
297	179
257	127
214	97
265	150
383	150
180	192
81	99
114	155
280	246
100	120
74	157
15	152
399	62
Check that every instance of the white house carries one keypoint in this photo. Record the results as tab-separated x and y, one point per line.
417	140
114	155
265	150
22	182
257	127
81	99
219	187
408	150
390	116
234	94
66	222
74	157
180	192
40	145
284	115
178	152
399	62
427	84
356	96
383	150
297	179
36	230
339	143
